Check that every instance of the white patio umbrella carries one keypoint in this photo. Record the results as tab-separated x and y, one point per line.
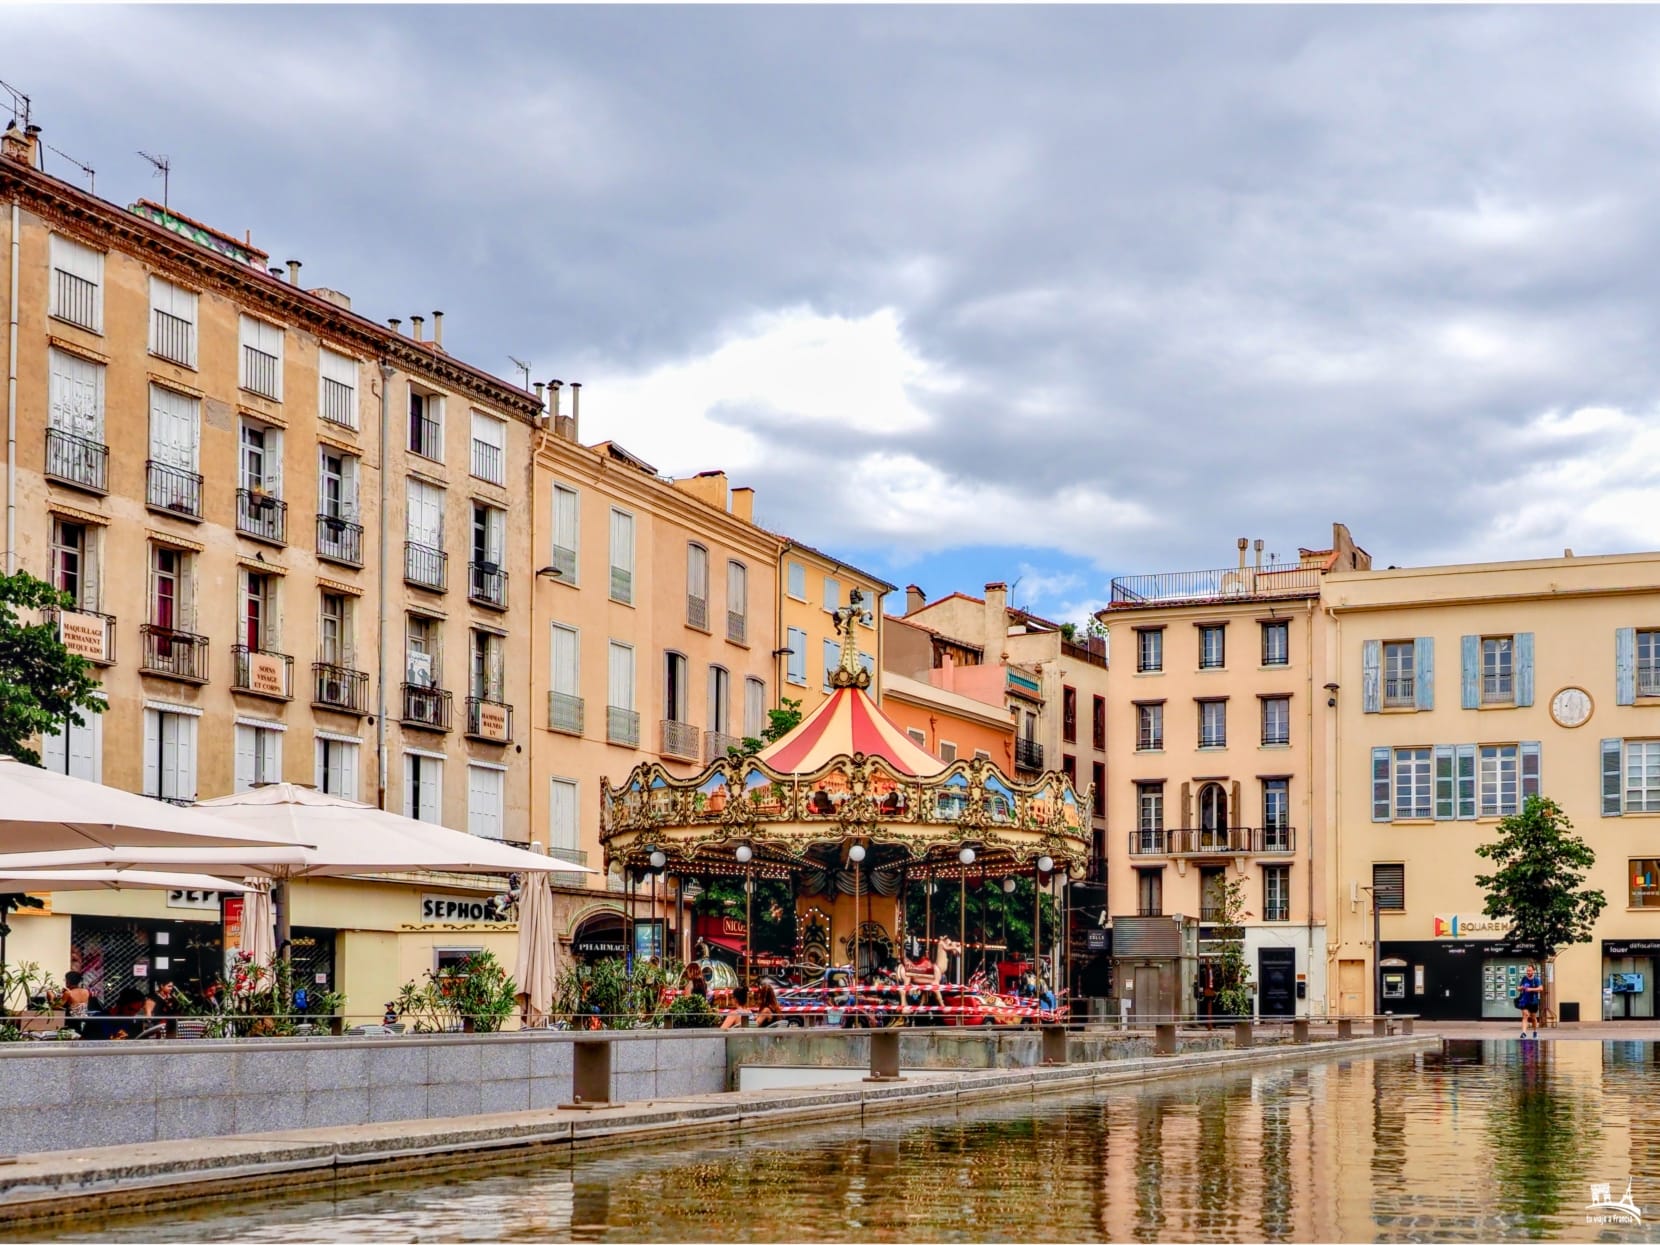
535	972
259	938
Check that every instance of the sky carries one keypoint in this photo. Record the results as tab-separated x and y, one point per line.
1040	295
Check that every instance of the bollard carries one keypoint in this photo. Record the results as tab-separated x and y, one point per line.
1054	1044
1406	1026
590	1077
884	1055
1164	1039
1299	1031
1243	1037
1380	1027
1345	1029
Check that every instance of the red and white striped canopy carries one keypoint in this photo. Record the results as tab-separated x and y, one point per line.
848	722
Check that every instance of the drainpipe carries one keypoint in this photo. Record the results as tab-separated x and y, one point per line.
11	408
1314	708
780	660
380	623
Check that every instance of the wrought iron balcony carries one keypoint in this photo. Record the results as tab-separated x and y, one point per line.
425	566
77	461
487	462
565	713
737	627
339	403
426	707
175	338
1399	693
174	490
1211	914
679	740
697	612
262	515
1223	841
262	672
1028	754
86	633
1231	583
261	373
1150	910
622	726
490	720
339	687
1149	842
339	540
175	654
716	744
570	855
75	299
487	585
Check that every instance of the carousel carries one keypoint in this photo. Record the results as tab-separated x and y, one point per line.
853	814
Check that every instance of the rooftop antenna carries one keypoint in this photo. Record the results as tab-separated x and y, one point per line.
523	367
91	174
164	166
20	104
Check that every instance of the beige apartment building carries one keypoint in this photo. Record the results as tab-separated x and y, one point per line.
1460	691
288	530
1216	716
812	586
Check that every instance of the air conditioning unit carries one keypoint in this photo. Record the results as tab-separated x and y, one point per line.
334	692
488	568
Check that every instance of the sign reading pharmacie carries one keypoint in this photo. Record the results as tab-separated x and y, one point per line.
1465	925
446	908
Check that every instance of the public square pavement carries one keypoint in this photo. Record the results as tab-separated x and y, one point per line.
1511	1030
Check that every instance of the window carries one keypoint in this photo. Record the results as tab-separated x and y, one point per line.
1276	643
1412	784
172	603
620	679
334	629
1213	723
1389	887
174	436
798	581
75	750
486	581
918	737
832	659
1276	892
259	509
1212	647
261	361
1636	782
1098	723
423	786
832	594
1149	888
75	395
336	484
172	323
948	751
258	756
737	603
337	388
1276	720
1098	789
484	801
1149	812
980	754
426	424
565	696
755	708
421	651
1069	715
720	700
697	587
564	832
489	449
1499	778
1149	735
1149	650
1398	674
1498	670
338	766
486	677
170	755
1646	645
622	557
565	509
674	687
795	671
77	293
74	564
425	562
259	610
1276	814
1645	883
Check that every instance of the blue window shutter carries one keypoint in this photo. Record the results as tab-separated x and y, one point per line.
1380	784
1611	751
1466	782
1445	805
1524	668
1625	666
1470	682
1371	676
1423	672
1530	769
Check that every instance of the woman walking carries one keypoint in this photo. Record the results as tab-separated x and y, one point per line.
1528	995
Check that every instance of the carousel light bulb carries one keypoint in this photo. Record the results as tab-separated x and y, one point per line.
745	853
966	855
658	860
856	853
1008	886
1045	864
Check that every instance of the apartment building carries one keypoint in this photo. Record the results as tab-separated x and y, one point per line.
812	586
1459	691
1215	721
654	641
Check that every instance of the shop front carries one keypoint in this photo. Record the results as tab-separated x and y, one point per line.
1628	978
1466	972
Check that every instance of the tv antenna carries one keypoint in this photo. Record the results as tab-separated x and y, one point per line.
523	367
164	166
20	104
91	174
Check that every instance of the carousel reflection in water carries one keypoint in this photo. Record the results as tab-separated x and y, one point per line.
1488	1141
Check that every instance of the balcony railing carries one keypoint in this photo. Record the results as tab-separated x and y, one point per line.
424	566
679	740
173	489
175	338
1648	678
564	564
570	855
487	585
339	687
262	516
426	707
261	373
262	672
1150	909
1028	754
339	403
716	743
1149	842
1399	693
86	633
1211	914
1228	584
622	726
1276	911
339	540
77	461
487	462
77	299
490	720
175	654
1223	841
565	713
737	627
425	435
697	612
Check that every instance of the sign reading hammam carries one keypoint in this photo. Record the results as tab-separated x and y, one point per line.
458	908
1461	925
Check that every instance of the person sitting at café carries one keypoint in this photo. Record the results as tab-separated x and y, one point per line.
696	982
136	1008
767	1009
76	998
739	1012
170	1001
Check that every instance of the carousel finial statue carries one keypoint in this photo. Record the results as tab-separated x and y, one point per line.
851	673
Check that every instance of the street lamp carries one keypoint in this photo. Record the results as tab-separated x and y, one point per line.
966	857
745	853
1377	952
1043	865
658	860
856	853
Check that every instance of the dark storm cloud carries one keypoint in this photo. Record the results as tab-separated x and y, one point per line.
1179	274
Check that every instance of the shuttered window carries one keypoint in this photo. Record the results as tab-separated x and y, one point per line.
564	534
565	669
796	668
797	581
337	388
76	396
564	831
172	322
1389	885
621	681
423	787
622	557
755	708
258	756
337	767
170	755
832	659
484	801
76	750
489	448
260	362
77	290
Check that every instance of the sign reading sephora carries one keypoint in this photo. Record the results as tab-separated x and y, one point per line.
460	908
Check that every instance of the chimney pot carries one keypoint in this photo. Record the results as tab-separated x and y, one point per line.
553	398
293	272
275	272
395	324
576	410
540	400
418	324
915	598
438	328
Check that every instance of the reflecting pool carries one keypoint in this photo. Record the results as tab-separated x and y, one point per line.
1481	1141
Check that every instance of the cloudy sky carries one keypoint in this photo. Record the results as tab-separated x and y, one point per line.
1028	294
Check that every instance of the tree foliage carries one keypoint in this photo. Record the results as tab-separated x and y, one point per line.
1538	882
780	722
41	682
1233	995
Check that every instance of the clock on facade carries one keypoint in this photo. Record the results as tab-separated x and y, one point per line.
1571	707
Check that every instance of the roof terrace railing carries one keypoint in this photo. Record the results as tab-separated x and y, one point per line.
1230	583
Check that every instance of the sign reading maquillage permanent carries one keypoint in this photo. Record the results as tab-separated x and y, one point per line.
84	635
267	675
458	908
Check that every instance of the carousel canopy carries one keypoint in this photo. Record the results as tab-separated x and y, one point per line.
846	724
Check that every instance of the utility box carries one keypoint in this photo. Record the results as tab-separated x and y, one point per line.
1155	964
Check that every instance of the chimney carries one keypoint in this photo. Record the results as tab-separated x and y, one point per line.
438	329
743	504
395	324
709	487
293	272
541	399
915	599
418	324
576	410
1258	547
19	145
276	272
997	614
1244	544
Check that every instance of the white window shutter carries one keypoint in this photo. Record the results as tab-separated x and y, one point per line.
54	751
429	792
152	752
170	768
246	770
562	815
564	661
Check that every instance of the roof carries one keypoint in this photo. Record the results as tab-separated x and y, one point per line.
907	621
955	702
848	722
790	542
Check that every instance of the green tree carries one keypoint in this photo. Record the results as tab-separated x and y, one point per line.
41	682
780	722
1233	997
1538	881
